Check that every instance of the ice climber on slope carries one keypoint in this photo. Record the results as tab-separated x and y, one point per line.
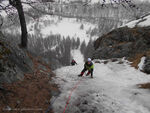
88	66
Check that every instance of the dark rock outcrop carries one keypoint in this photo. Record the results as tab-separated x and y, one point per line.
14	61
25	80
146	67
132	43
122	42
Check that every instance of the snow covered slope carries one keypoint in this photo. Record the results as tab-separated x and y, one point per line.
112	90
142	22
77	55
52	25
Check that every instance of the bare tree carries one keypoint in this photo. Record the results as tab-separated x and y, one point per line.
17	4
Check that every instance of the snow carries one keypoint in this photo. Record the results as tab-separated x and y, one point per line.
68	27
54	47
141	64
146	22
77	55
3	13
112	90
142	22
53	25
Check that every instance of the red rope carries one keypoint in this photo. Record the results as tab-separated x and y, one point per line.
75	87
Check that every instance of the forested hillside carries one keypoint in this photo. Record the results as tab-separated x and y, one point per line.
47	37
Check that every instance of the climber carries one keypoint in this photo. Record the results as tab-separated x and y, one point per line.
88	66
73	62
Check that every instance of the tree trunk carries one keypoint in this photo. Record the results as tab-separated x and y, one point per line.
17	4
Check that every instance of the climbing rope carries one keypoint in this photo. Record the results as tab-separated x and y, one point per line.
73	89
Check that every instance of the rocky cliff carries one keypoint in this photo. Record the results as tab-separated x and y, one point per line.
132	43
25	81
14	61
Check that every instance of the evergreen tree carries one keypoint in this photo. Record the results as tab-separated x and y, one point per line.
89	50
83	47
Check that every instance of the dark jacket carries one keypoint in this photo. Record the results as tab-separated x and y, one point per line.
89	66
73	62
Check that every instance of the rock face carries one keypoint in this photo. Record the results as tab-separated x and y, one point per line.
25	81
33	94
146	68
122	42
132	43
14	62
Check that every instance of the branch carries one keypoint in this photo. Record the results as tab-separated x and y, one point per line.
30	4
